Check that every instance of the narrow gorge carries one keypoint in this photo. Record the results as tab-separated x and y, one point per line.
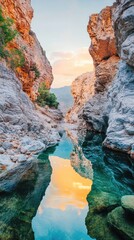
66	173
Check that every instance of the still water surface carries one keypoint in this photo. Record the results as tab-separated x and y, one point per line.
62	211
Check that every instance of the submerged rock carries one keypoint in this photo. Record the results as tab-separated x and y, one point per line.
10	178
19	207
124	226
112	179
127	203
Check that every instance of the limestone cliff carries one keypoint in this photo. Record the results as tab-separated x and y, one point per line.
103	48
104	53
111	108
24	128
21	12
82	90
120	132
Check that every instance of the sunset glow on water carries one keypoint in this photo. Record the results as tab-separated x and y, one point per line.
62	212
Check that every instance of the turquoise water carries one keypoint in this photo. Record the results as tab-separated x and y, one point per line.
50	202
62	211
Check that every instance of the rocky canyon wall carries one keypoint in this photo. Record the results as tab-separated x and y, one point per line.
24	130
82	90
120	132
104	53
22	13
110	109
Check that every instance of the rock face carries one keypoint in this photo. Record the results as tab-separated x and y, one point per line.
110	110
103	48
82	90
104	53
120	132
21	12
23	130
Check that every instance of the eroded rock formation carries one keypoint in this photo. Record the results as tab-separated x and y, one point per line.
104	53
120	132
21	12
110	110
24	128
82	90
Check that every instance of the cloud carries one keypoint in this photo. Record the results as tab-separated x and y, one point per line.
69	65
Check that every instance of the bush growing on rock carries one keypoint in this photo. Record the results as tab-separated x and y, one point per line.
36	70
14	57
17	58
46	98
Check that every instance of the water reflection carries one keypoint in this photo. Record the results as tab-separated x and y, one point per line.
113	178
19	207
62	212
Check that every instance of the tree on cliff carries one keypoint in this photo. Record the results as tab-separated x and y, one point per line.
46	98
14	57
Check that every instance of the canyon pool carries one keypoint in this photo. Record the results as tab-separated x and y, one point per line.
59	199
63	209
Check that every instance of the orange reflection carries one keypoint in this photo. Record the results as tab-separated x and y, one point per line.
67	187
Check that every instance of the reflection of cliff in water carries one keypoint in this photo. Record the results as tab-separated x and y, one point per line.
19	207
113	178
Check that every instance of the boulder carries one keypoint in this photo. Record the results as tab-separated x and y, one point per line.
118	221
127	203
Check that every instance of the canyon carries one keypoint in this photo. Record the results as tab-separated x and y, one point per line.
49	164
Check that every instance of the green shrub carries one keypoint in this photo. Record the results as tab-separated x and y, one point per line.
14	57
36	70
7	34
46	98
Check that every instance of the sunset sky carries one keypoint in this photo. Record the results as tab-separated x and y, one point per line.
61	27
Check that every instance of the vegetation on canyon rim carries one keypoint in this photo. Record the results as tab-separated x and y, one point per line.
36	70
15	57
46	98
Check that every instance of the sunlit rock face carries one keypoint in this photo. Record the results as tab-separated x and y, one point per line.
105	57
18	116
21	12
82	90
103	48
111	108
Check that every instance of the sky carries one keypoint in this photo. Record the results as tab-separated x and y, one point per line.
61	27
